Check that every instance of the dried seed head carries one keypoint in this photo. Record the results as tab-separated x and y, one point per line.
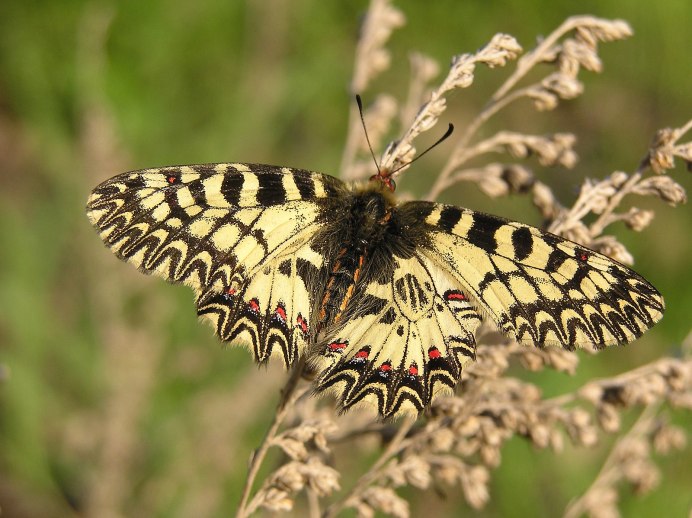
618	178
610	246
502	48
684	151
294	449
667	438
563	85
493	186
591	392
371	55
532	359
562	360
386	500
575	54
580	427
601	502
519	178
544	199
449	472
276	500
474	483
578	232
661	154
662	186
633	455
321	478
543	100
416	471
442	440
638	219
423	67
540	435
600	29
608	418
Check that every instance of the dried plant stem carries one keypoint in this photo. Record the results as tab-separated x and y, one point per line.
313	503
606	218
530	59
393	448
641	372
353	136
289	395
687	127
610	472
461	153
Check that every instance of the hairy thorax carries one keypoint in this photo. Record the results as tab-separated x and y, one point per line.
369	213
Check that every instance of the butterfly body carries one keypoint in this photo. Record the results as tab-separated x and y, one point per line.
381	298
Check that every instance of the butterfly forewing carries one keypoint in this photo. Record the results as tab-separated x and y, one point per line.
536	286
236	233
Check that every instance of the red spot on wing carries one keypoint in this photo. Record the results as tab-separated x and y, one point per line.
363	353
171	179
386	367
454	295
584	256
337	346
231	291
302	324
253	304
433	353
281	313
413	370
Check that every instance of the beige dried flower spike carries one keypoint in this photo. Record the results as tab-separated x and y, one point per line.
372	58
501	49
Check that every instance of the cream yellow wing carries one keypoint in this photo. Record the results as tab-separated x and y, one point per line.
539	288
236	233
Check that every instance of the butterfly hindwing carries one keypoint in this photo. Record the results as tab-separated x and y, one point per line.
271	311
538	287
404	340
236	233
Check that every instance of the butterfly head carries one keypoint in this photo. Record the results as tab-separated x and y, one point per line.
384	177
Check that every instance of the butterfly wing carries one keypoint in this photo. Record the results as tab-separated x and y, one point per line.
405	339
539	288
238	234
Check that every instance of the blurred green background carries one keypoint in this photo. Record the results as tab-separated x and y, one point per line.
114	401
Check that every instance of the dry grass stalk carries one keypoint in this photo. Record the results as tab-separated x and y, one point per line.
460	440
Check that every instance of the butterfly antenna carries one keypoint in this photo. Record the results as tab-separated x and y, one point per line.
444	137
365	129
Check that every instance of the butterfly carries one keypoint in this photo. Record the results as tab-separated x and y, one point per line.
380	298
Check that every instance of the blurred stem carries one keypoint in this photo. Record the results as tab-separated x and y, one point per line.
289	395
393	449
353	136
611	473
313	503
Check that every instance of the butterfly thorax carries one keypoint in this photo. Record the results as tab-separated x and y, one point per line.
368	212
